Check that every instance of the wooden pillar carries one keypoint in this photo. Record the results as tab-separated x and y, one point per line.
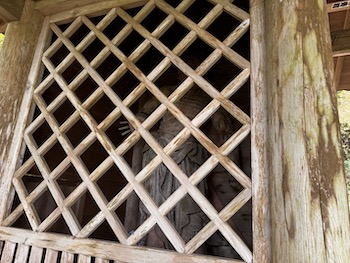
15	61
260	171
308	202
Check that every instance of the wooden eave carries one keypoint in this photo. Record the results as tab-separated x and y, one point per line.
10	11
339	20
341	42
49	7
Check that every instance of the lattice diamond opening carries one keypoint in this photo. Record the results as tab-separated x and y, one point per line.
135	105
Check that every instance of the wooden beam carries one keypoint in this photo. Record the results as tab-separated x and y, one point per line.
338	6
259	157
344	87
341	42
338	68
99	248
50	7
11	10
3	27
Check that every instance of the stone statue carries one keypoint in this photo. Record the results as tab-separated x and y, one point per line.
186	216
219	187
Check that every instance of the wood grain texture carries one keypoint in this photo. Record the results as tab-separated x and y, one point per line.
259	153
18	49
22	253
308	201
8	252
94	248
36	254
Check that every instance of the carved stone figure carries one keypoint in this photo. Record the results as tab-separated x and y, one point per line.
219	187
186	216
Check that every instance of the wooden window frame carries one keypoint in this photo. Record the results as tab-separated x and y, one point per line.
259	170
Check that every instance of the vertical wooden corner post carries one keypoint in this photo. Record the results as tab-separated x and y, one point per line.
260	172
308	202
15	61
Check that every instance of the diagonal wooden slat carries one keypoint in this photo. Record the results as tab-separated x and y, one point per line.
168	149
122	165
211	147
120	162
237	203
52	185
232	9
200	81
195	178
187	124
169	106
31	213
69	59
218	220
57	44
76	161
206	36
60	98
78	48
196	195
72	119
237	82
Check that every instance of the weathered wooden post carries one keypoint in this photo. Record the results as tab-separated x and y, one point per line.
259	153
308	204
15	62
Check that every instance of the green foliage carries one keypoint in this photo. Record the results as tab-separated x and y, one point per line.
344	118
345	134
344	106
2	36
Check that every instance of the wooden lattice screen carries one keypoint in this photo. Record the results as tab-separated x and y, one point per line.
77	104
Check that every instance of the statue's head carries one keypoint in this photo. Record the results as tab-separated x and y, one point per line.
191	60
